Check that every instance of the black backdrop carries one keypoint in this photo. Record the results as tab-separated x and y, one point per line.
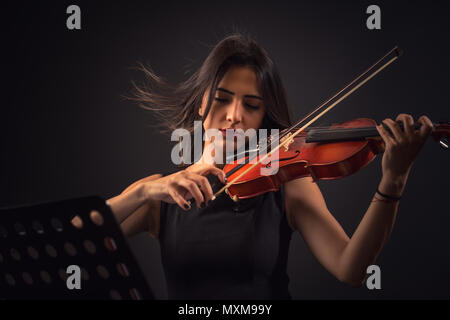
67	131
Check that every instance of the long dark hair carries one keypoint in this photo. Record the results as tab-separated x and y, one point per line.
177	106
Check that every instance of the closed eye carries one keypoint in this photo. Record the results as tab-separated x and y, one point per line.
221	100
252	106
246	104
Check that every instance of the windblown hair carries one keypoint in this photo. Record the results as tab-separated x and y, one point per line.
177	106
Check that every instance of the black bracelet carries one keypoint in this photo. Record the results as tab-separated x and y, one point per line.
388	197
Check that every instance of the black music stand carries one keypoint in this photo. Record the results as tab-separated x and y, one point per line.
39	242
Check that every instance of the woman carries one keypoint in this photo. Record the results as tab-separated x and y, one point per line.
234	251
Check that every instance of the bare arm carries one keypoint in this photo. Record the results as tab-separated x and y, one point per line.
137	208
134	211
344	257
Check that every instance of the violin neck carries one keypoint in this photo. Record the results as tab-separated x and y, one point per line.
327	135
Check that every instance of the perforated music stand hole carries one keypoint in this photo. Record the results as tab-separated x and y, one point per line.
27	278
37	227
15	254
96	218
123	270
110	244
135	295
56	224
51	251
89	246
102	272
10	279
70	249
33	253
115	295
20	229
45	276
77	222
62	275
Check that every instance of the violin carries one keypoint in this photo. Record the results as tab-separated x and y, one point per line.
324	153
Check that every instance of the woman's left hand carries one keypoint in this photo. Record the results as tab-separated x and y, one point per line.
402	146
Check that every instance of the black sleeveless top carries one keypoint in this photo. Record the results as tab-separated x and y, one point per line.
227	250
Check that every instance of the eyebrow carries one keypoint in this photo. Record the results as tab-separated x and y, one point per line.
246	96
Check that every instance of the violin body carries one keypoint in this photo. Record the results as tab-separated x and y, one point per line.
341	150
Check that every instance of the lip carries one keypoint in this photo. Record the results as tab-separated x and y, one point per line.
224	131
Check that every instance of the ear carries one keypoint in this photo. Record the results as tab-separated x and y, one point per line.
200	111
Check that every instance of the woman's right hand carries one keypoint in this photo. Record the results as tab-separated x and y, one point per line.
184	185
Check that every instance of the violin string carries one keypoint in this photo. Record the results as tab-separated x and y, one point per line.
297	124
337	130
329	129
286	131
228	184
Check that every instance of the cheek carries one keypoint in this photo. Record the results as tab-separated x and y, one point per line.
206	124
212	118
257	119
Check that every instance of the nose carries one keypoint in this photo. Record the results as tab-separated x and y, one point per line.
234	112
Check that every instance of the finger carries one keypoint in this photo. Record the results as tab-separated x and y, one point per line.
183	203
426	126
408	124
204	184
427	120
396	132
217	172
193	189
387	138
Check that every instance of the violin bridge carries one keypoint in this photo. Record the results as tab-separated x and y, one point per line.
286	137
235	198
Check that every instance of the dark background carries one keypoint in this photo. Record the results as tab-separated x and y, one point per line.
67	131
